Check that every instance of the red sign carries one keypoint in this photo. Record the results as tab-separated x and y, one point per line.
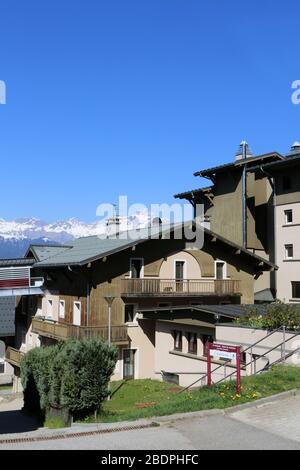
229	353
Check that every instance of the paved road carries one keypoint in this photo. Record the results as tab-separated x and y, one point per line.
270	426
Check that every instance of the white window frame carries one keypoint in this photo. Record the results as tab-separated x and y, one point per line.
135	309
224	268
286	247
78	303
49	308
286	211
184	267
142	268
61	303
136	362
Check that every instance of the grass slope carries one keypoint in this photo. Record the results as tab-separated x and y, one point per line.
129	399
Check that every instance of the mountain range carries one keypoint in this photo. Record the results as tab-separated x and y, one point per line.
16	235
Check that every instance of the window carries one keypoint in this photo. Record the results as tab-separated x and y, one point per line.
288	216
2	367
177	335
286	182
136	268
289	251
205	340
179	275
61	309
179	270
49	308
296	289
130	313
220	270
192	343
77	313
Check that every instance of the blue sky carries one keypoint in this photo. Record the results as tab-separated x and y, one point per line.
131	97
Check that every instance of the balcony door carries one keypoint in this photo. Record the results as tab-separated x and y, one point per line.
128	363
77	313
220	270
136	268
179	275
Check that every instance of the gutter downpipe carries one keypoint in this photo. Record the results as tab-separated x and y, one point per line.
244	198
273	184
88	303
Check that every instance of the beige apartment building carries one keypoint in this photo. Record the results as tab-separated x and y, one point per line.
285	177
239	206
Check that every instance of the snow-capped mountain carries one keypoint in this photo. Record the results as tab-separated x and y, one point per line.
16	235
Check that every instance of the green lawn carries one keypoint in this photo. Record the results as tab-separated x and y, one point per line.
163	398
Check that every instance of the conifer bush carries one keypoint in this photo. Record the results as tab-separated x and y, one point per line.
71	376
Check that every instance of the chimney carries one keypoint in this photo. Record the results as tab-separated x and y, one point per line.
243	151
295	149
113	223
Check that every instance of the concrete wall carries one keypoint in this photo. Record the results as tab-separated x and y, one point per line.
187	366
245	337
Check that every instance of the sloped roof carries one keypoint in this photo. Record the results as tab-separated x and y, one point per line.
239	163
191	193
42	252
88	249
16	262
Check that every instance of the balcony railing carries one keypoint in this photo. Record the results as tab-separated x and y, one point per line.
64	331
15	277
172	287
14	356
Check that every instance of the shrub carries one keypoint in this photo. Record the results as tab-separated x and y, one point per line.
85	368
71	376
271	317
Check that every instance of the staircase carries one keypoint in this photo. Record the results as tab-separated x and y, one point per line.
258	362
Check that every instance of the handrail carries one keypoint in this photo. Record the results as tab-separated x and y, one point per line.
263	355
229	360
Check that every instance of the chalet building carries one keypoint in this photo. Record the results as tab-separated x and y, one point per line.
160	289
238	205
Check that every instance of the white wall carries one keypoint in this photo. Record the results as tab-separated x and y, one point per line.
189	367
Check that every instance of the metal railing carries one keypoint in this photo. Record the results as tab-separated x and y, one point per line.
64	331
157	286
253	360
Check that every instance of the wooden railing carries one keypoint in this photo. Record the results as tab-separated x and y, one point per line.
172	287
63	331
14	356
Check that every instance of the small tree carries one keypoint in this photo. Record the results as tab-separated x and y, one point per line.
80	375
71	376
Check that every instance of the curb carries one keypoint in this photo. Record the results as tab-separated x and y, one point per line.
263	401
84	430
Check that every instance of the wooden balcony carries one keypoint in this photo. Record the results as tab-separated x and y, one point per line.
14	356
173	288
64	331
